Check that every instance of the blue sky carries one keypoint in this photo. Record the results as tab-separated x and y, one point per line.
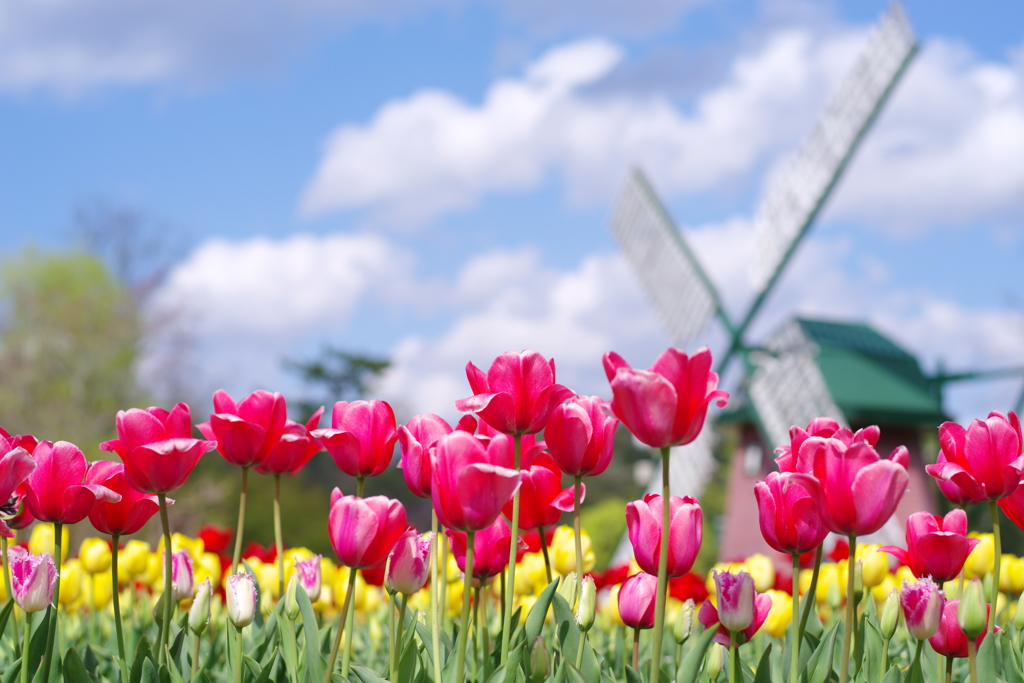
432	180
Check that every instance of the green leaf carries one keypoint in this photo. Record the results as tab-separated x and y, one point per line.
37	643
265	673
539	611
90	661
873	645
819	666
690	666
427	638
988	659
177	644
316	667
13	672
142	654
251	665
1011	666
172	672
149	674
366	675
5	615
633	676
574	675
289	647
74	668
764	667
893	675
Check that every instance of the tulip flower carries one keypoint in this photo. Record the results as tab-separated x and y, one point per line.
242	599
361	438
468	491
936	546
248	431
581	436
636	600
95	555
417	439
56	492
409	564
295	448
541	497
517	394
492	549
984	460
199	612
309	573
33	578
644	523
922	607
364	530
16	465
182	575
788	458
741	611
949	639
665	405
127	515
788	514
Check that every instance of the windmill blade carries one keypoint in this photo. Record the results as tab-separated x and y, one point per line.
668	271
795	199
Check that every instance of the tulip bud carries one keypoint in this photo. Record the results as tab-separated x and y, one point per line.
684	622
291	603
241	598
922	607
309	573
1018	615
132	560
32	579
182	575
567	588
972	615
890	615
199	613
834	597
714	661
735	600
587	608
408	564
94	554
540	661
858	581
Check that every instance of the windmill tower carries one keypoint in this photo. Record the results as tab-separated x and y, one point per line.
686	300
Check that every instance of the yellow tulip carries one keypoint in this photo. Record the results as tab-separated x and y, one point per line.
454	598
194	546
1011	574
41	540
208	567
293	555
610	607
828	576
326	599
876	564
154	574
881	591
904	574
562	550
132	560
328	571
780	615
70	582
525	604
97	590
762	570
531	576
94	554
982	559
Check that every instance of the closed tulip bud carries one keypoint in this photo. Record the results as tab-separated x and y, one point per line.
890	615
858	581
182	575
972	614
409	563
684	622
834	598
132	560
714	661
587	608
199	613
241	598
309	573
922	607
1018	615
540	661
94	554
291	602
567	589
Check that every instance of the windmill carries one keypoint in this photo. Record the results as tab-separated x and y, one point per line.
784	385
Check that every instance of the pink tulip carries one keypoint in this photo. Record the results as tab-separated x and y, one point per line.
922	607
490	549
361	438
364	530
686	528
949	639
467	489
296	447
129	514
788	514
936	546
242	598
516	395
666	405
182	575
636	600
542	500
740	610
246	432
157	447
823	427
56	492
417	440
857	491
309	573
984	461
581	436
409	564
16	464
33	578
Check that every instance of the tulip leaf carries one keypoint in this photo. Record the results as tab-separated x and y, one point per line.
172	672
366	675
894	675
819	666
427	637
148	674
74	668
176	645
316	667
5	615
539	611
37	644
252	665
764	666
873	646
142	654
264	676
690	666
633	676
289	647
987	658
1011	665
13	672
574	675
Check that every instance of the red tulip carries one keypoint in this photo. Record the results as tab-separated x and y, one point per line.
936	546
467	489
857	491
16	465
740	609
541	497
788	514
417	439
490	549
294	449
516	395
361	438
636	600
826	428
128	514
686	528
950	640
984	461
364	530
157	447
666	405
247	432
55	489
216	539
581	436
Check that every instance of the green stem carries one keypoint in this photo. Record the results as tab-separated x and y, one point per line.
277	537
544	551
972	657
51	635
115	594
393	658
236	559
659	605
485	637
10	591
621	647
794	665
398	631
732	657
165	628
510	592
885	656
851	607
435	599
28	635
636	648
345	606
579	540
812	592
579	650
346	655
997	537
239	664
916	664
460	661
949	669
195	657
475	668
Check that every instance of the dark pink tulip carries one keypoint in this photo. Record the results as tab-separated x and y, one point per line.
467	489
56	492
826	428
246	432
361	438
922	607
950	640
740	609
542	500
409	564
685	532
984	461
490	549
127	515
16	464
516	395
581	436
857	491
666	405
636	600
157	447
417	439
788	514
364	530
294	450
936	546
